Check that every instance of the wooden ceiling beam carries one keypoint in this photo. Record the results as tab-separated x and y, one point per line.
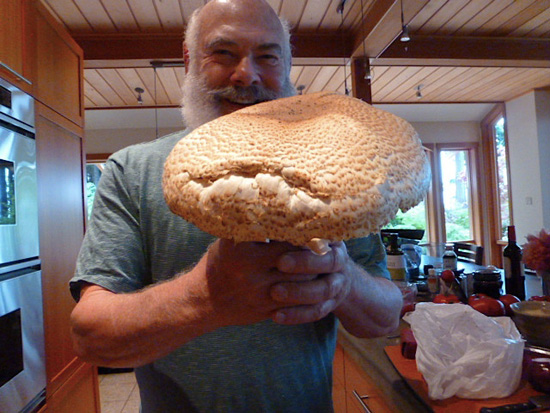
381	25
468	51
139	46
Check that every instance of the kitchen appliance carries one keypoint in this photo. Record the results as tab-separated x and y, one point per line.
22	354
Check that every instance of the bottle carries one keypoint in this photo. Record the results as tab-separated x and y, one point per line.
449	258
396	260
514	276
433	281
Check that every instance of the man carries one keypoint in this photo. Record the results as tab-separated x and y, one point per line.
230	327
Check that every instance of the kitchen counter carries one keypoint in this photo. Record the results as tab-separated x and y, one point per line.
370	356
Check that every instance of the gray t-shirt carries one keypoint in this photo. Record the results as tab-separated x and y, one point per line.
133	240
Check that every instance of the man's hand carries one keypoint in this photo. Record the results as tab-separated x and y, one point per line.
325	286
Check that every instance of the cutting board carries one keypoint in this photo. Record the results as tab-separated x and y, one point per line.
407	369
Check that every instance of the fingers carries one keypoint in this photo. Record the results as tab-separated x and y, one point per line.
304	314
320	289
306	261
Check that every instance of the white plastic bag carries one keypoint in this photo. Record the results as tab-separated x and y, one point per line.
464	353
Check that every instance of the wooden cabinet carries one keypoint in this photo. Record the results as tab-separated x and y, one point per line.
353	390
61	213
59	69
75	395
16	35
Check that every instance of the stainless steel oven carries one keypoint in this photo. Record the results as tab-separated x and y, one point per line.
22	354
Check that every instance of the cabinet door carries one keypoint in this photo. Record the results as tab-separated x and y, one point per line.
59	71
61	219
80	394
362	394
14	34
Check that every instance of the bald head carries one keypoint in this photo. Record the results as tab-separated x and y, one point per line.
227	12
237	55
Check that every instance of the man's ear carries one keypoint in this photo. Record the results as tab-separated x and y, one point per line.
186	58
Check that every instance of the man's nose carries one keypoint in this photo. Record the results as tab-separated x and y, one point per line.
246	73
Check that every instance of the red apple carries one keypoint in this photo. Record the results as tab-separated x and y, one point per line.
489	306
508	299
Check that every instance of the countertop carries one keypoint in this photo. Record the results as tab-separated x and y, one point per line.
370	356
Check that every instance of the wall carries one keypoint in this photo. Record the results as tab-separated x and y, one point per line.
529	150
448	132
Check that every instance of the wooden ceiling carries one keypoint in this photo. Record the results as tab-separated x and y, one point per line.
460	50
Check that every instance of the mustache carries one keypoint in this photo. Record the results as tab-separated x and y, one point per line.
244	94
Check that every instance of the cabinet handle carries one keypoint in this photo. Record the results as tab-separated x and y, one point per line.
360	400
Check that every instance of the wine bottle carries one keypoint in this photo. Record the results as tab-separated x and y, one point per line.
396	260
514	275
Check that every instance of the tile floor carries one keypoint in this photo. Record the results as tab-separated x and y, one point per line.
118	393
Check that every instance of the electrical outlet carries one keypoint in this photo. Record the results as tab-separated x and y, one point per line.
528	200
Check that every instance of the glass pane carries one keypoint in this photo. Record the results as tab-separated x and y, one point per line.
456	194
414	218
502	175
7	193
93	173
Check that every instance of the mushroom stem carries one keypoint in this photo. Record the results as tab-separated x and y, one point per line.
319	246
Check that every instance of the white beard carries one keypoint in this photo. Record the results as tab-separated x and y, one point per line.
199	106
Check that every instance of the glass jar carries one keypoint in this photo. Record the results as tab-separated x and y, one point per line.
488	282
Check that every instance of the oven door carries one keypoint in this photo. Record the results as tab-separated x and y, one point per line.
23	372
18	195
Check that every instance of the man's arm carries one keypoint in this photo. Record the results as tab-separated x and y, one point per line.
229	286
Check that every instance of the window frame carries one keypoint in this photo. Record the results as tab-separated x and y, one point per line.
494	239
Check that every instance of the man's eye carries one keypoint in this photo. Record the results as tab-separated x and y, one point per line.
223	53
269	59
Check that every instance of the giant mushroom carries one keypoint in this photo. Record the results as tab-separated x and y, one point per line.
309	169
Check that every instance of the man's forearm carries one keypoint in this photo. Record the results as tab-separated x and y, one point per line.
129	330
372	307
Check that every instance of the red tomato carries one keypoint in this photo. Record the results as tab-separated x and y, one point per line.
477	296
407	308
446	299
448	276
489	306
539	298
508	299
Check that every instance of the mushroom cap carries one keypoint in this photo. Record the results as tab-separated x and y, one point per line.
320	165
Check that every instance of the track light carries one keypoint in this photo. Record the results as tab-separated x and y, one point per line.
405	34
404	27
139	92
419	92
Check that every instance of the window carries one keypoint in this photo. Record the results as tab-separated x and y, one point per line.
502	188
93	173
452	205
414	218
455	184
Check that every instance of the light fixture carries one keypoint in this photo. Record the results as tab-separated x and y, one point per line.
405	34
139	97
418	91
405	37
300	89
340	11
369	72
